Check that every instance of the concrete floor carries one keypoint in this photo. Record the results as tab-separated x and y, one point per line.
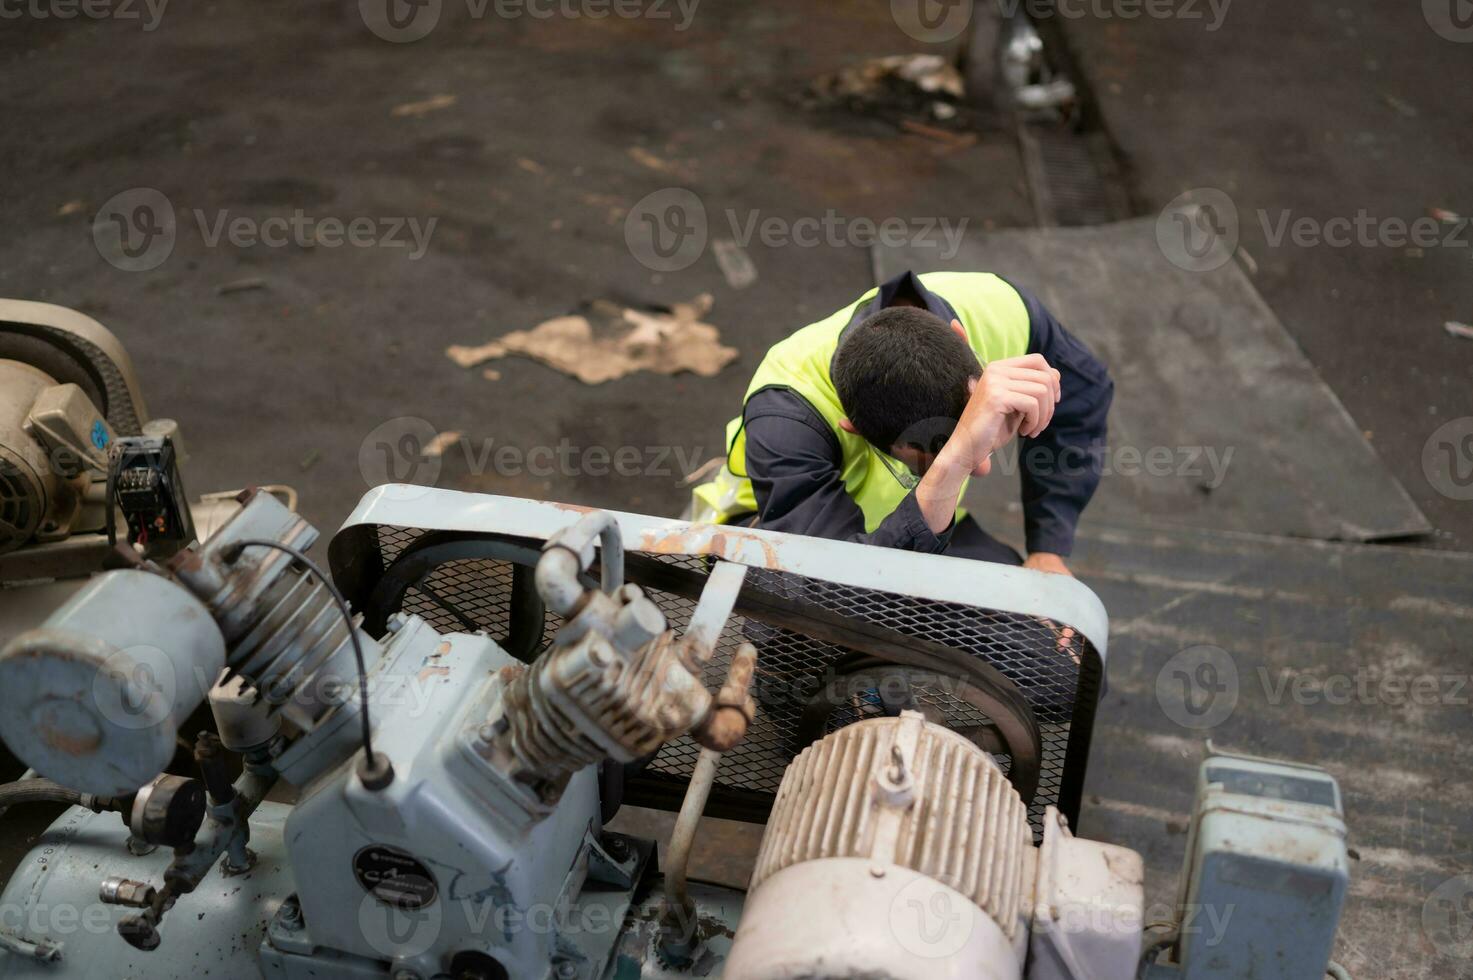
558	128
1322	110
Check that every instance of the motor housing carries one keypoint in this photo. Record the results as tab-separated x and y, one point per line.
896	849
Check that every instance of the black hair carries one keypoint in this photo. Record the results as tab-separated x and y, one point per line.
901	375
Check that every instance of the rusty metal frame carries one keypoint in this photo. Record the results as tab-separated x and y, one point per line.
445	515
1004	588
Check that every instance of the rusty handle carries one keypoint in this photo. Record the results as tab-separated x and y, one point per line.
732	710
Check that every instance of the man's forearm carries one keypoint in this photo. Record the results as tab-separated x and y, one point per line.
939	492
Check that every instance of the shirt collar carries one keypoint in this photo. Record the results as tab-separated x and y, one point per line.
907	285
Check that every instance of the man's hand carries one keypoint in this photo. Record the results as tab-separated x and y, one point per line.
1043	561
1014	396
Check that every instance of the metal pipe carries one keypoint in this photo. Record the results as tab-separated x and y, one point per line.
226	831
569	553
678	909
678	940
611	556
557	580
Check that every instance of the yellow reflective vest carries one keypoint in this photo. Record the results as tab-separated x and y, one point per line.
996	324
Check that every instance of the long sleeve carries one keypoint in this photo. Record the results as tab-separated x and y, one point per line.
1061	468
793	461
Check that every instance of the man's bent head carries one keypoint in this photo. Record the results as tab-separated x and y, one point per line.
902	376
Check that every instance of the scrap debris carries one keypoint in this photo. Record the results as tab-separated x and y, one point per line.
1402	106
736	265
442	441
706	469
1458	329
895	86
240	285
612	341
424	106
928	73
658	164
936	133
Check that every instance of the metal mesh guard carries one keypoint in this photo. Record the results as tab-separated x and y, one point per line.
1057	669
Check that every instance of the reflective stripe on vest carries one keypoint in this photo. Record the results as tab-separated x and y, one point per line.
996	323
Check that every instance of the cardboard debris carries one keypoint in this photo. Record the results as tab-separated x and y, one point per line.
613	341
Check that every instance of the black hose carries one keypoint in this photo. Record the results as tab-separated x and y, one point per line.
36	791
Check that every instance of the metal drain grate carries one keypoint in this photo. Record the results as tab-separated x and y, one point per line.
1067	177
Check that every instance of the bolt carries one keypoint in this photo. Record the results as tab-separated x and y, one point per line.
138	847
291	914
486	733
896	772
637	623
565	970
617	848
406	974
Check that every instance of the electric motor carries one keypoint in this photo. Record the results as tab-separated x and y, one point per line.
27	483
896	849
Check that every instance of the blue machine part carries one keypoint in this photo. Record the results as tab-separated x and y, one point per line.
1266	872
52	903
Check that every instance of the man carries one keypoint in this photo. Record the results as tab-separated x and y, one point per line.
866	425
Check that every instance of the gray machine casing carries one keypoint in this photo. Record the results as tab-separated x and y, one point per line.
436	810
491	887
442	870
1266	871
